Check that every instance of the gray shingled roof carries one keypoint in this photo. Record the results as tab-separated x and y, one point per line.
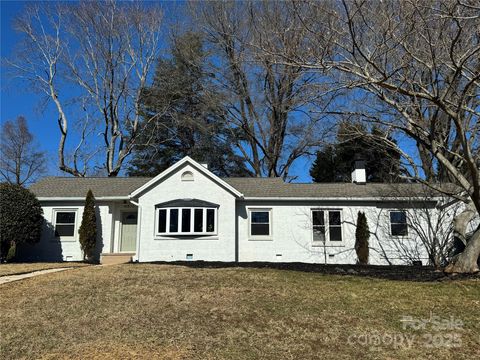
274	188
250	187
78	187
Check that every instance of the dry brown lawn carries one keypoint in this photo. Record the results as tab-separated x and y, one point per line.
21	268
159	311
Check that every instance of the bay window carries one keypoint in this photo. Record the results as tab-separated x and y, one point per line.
186	220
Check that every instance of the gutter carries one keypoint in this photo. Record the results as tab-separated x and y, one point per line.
82	198
257	198
133	202
260	198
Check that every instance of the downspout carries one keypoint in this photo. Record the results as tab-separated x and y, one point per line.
237	237
139	228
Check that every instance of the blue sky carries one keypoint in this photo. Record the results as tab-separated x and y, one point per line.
17	99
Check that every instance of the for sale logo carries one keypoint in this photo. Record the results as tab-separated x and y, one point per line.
431	332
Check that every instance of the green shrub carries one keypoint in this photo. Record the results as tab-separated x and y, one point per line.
21	219
362	234
12	252
88	228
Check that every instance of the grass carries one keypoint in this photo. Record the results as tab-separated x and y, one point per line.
21	268
162	311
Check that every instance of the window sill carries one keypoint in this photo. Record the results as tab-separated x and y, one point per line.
185	237
328	245
179	234
63	240
260	239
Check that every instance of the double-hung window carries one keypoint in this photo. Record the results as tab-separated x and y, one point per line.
260	224
65	224
398	223
326	227
186	221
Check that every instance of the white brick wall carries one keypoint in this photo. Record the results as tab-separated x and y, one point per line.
167	248
292	234
52	249
291	238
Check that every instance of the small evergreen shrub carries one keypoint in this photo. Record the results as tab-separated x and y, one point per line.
21	219
362	234
88	228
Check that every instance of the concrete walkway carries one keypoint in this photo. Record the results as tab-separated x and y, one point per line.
9	278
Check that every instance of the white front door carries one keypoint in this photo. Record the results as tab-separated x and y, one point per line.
129	232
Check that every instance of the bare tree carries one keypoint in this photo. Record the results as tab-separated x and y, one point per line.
20	161
430	228
412	68
91	60
273	109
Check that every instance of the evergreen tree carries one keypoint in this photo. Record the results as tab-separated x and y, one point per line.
334	162
190	115
324	167
362	234
21	219
88	228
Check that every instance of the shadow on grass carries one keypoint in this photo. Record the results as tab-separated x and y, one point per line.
392	272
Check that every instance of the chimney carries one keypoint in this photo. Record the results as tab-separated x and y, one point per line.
205	165
359	175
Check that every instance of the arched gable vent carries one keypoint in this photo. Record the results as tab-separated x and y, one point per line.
187	176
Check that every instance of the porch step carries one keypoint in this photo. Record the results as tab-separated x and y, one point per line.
116	258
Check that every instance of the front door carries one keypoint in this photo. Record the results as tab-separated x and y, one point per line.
129	232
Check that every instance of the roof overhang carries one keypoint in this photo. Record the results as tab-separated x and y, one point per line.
384	199
73	198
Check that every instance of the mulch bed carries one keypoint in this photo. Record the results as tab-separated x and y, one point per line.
393	272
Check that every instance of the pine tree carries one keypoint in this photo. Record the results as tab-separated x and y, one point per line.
88	228
324	168
189	114
334	161
362	234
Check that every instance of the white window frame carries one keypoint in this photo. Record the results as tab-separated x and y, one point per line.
270	227
327	242
390	223
192	219
75	226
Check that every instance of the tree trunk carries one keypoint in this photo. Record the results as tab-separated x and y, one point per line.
461	221
466	262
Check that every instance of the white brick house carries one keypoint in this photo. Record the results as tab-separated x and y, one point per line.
189	213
